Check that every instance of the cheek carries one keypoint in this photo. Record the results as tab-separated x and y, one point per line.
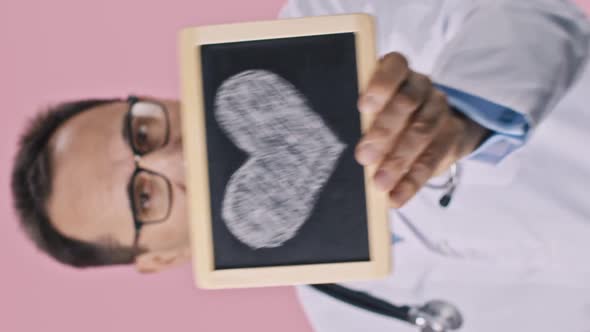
179	215
174	117
171	233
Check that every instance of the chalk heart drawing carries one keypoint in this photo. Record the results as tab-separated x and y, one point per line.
292	154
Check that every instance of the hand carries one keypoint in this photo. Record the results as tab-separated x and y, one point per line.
415	135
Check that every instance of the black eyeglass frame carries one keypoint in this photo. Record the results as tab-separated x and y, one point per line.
132	100
137	222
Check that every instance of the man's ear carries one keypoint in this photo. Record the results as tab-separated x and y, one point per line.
157	261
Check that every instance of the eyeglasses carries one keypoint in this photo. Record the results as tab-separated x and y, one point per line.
147	129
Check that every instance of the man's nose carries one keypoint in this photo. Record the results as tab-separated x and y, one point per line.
169	163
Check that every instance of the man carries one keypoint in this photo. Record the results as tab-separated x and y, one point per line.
101	182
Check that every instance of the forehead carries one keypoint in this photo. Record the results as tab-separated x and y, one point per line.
92	125
91	166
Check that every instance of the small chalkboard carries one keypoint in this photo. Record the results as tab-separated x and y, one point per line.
270	124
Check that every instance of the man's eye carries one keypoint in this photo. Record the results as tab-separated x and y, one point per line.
143	196
144	201
151	197
142	137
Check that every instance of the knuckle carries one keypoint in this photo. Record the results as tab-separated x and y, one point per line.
422	80
395	63
410	185
396	58
404	68
422	170
396	163
428	158
379	89
414	184
424	127
439	97
377	132
407	102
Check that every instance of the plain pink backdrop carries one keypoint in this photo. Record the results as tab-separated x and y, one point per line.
63	49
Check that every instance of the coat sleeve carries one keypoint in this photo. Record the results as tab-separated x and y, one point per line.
523	55
503	63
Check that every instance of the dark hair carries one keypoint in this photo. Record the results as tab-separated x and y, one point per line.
31	188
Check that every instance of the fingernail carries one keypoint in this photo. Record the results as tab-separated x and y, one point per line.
368	154
368	104
383	180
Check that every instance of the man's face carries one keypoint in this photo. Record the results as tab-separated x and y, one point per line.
93	165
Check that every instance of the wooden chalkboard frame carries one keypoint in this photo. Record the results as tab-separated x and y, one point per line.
194	131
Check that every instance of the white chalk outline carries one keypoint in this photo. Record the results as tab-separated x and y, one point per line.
292	153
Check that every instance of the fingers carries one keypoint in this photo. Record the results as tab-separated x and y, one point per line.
414	134
392	119
391	72
434	158
414	139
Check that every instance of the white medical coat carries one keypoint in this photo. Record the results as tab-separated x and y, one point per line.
513	249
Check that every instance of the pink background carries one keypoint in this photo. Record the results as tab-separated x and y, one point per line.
62	49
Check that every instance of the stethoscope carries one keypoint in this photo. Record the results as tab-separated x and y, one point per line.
433	316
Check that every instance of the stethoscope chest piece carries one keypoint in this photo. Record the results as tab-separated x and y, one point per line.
436	316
